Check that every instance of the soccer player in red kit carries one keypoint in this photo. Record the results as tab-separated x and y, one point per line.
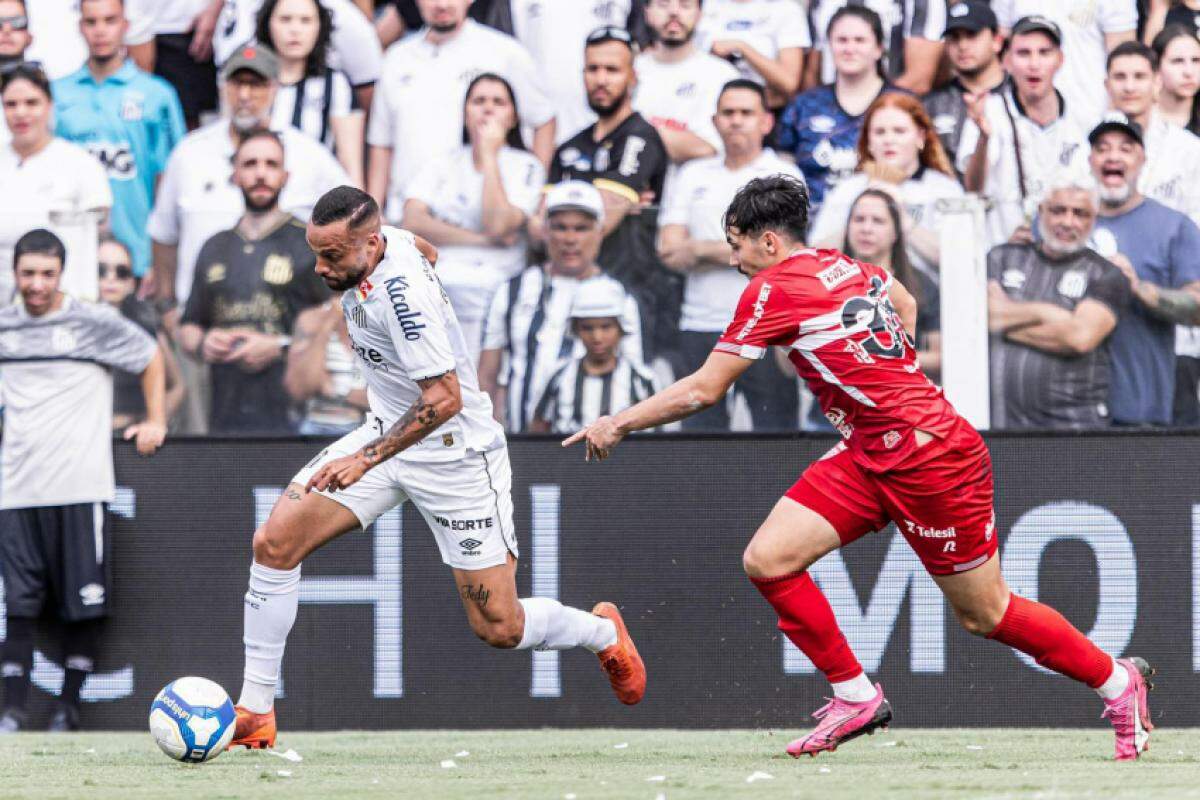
906	457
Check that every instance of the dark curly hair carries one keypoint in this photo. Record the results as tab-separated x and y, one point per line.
772	203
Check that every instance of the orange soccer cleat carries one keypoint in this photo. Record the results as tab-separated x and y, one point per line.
253	731
621	661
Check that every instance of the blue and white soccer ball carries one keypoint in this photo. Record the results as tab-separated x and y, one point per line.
192	720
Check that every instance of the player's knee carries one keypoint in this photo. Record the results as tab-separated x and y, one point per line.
978	622
763	562
272	549
502	634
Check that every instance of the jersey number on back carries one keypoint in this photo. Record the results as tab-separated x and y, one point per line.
886	337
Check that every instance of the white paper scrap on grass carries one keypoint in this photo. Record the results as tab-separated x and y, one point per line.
449	764
289	755
759	776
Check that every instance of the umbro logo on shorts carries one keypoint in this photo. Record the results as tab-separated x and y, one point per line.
469	544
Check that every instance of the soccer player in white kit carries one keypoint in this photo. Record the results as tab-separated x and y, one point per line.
430	438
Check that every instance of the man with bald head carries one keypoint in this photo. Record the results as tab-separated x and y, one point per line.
429	438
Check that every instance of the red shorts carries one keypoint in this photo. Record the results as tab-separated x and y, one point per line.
942	502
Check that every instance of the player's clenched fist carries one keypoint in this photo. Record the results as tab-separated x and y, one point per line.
600	437
341	473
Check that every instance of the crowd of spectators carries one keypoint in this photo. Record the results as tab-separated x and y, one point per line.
571	160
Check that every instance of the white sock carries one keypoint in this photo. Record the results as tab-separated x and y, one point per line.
268	615
855	690
549	625
1116	684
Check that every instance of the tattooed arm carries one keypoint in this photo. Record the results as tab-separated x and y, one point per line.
441	399
1181	306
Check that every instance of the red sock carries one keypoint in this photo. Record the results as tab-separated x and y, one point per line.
1053	642
806	618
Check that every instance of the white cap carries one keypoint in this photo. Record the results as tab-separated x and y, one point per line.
575	196
600	296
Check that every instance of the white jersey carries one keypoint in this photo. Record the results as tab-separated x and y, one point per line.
1171	174
682	95
554	32
1084	24
696	197
57	43
1060	145
403	331
766	25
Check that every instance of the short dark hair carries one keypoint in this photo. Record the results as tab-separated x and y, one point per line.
257	133
317	59
31	72
1132	49
345	202
748	85
42	242
774	202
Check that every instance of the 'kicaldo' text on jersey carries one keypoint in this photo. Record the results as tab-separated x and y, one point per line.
846	341
403	330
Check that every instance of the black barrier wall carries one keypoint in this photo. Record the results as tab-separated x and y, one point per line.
1105	527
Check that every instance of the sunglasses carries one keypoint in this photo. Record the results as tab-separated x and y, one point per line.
122	271
610	33
17	23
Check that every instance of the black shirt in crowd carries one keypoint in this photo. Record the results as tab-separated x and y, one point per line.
128	398
261	286
628	161
1032	388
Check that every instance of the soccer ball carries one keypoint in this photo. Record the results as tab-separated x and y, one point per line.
192	719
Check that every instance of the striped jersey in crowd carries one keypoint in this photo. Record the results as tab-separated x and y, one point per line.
574	399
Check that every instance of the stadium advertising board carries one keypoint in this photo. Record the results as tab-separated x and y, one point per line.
1105	527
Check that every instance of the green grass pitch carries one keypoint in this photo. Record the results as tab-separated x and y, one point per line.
608	764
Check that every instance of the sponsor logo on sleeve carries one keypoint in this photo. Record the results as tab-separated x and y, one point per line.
405	315
760	306
631	156
839	273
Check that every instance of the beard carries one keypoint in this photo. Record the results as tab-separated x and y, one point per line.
444	27
608	109
245	122
352	278
1055	246
1115	197
260	206
678	41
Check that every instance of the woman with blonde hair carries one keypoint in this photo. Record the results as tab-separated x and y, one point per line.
899	153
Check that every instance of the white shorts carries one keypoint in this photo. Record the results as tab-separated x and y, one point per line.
467	503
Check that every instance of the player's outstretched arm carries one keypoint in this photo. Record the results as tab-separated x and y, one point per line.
685	397
441	399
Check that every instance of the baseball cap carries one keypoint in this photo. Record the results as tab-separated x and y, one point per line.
1116	121
973	15
257	59
1037	23
601	296
575	196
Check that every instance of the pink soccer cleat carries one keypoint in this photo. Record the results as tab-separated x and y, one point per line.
1130	713
841	721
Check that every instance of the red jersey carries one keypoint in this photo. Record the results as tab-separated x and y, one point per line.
845	339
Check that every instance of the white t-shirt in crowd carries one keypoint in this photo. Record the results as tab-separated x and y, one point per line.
57	43
315	111
920	193
57	390
56	183
554	33
405	331
418	106
177	16
354	45
1083	24
766	25
1171	174
1060	145
197	200
682	95
902	19
697	197
453	190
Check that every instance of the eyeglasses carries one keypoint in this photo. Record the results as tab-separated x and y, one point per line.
610	33
17	23
121	271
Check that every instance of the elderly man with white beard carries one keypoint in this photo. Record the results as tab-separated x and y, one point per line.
1052	306
1158	249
